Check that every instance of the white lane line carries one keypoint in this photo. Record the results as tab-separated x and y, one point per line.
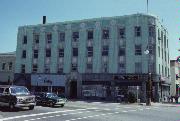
73	119
64	114
88	111
40	114
127	107
124	111
90	116
116	112
140	109
79	118
147	108
107	109
103	114
109	113
132	110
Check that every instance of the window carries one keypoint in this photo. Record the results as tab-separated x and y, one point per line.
121	68
150	49
89	66
159	69
137	31
3	66
105	68
162	70
49	37
138	50
75	51
48	53
10	66
105	34
35	68
22	68
60	70
1	90
164	41
47	68
159	52
36	38
90	35
75	36
122	33
138	67
165	71
162	53
35	53
161	38
25	39
90	51
24	54
105	51
62	36
165	55
151	31
74	67
121	52
61	52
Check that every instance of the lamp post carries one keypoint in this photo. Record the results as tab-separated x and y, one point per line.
148	91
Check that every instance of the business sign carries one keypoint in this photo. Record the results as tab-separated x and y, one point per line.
126	77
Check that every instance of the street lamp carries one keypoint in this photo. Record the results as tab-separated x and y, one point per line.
148	92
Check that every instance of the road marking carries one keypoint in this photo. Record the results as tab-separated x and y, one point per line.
132	110
64	114
116	112
124	111
41	114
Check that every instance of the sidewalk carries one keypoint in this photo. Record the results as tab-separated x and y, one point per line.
163	104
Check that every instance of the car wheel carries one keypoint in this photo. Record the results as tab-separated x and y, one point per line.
51	104
11	106
31	107
62	105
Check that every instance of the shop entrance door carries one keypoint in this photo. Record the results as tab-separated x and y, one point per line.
73	89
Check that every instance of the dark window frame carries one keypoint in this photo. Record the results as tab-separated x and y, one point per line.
105	33
138	49
137	31
25	39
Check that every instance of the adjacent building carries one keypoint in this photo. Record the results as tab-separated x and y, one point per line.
101	57
175	82
7	67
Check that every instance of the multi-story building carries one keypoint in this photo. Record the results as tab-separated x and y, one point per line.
7	67
175	82
99	57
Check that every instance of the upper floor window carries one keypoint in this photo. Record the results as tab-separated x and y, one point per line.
62	36
47	68
105	34
35	68
75	36
121	52
122	33
75	51
3	66
151	31
162	38
74	67
162	53
35	53
10	66
159	52
25	39
164	41
49	37
61	52
90	34
48	52
36	38
24	54
60	70
90	51
138	50
138	67
150	48
137	30
23	68
89	66
105	50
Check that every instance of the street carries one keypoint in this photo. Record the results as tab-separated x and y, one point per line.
95	111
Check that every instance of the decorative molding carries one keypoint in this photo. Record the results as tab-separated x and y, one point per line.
98	24
68	26
113	22
82	25
55	27
42	29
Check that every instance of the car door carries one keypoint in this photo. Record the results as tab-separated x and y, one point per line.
1	96
7	96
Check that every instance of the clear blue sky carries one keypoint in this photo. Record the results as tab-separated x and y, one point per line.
14	13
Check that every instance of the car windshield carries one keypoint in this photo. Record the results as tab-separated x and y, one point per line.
19	90
51	95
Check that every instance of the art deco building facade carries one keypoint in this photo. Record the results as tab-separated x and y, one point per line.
102	57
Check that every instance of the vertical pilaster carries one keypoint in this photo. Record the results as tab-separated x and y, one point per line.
82	49
29	50
113	48
54	50
42	53
67	49
143	92
156	96
97	48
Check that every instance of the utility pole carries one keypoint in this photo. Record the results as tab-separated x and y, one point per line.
149	85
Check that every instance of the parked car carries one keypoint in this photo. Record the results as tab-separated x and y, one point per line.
16	96
62	95
49	99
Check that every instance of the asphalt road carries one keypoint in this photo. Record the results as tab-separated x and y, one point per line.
94	111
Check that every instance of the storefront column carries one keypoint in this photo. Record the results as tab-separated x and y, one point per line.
79	87
156	96
143	92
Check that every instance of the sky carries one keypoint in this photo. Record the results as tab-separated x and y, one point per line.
15	13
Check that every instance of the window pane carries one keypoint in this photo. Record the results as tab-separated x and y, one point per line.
105	34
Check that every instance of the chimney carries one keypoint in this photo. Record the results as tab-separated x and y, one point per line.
44	19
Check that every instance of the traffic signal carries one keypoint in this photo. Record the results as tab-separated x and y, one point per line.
177	76
178	59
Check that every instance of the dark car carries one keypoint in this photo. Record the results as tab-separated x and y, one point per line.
49	99
16	96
